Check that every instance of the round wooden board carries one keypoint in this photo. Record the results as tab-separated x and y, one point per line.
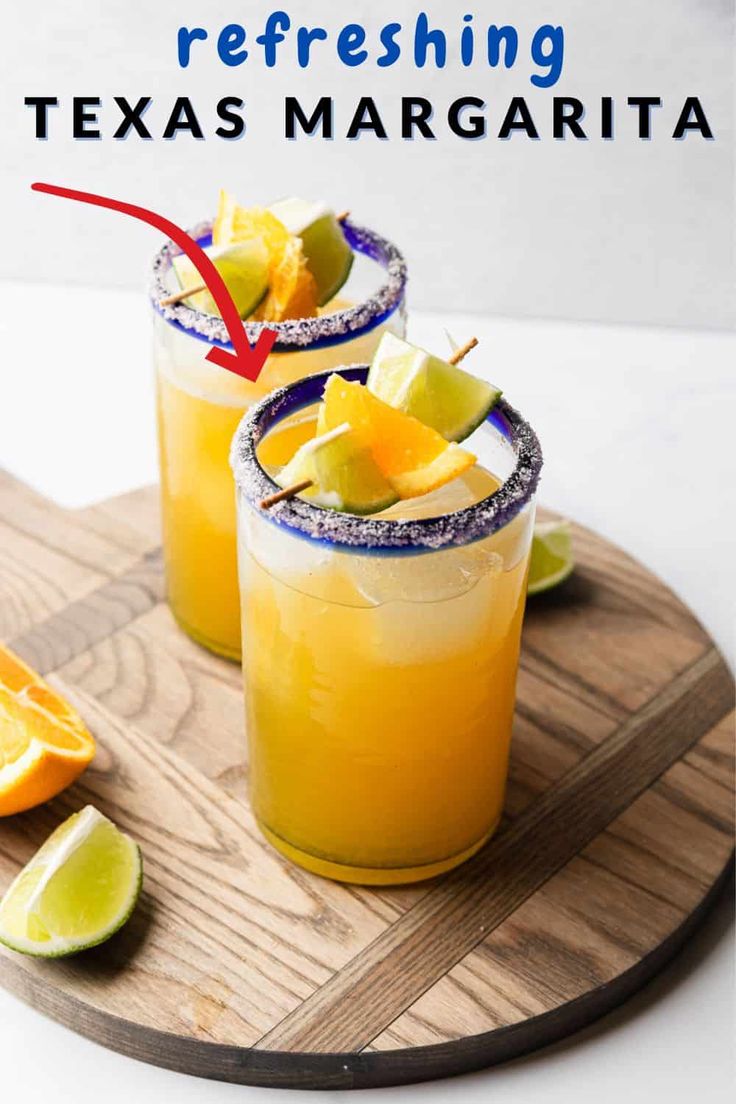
237	965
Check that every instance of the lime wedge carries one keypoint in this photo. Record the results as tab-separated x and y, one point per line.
328	255
77	890
244	267
439	394
343	471
552	559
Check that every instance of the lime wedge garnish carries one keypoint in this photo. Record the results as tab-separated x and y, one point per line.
245	268
77	890
552	559
343	471
439	394
328	255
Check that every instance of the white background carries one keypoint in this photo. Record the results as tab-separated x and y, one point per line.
627	230
636	421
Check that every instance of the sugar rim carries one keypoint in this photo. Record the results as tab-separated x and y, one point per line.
299	333
376	535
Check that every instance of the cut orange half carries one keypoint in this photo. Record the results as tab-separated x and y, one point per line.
414	458
44	744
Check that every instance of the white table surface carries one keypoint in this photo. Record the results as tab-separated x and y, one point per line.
637	428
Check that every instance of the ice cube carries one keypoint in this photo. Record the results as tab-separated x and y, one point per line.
435	612
296	561
429	577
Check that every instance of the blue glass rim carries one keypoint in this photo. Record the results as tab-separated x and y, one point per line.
300	333
373	535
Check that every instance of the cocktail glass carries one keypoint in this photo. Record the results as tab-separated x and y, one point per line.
200	406
380	653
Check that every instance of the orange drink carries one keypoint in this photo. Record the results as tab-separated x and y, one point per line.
200	406
380	653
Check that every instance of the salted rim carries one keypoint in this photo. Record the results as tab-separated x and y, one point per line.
328	329
374	534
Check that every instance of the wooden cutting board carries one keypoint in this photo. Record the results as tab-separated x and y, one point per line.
239	966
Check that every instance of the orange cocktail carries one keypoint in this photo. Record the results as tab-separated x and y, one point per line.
200	406
380	654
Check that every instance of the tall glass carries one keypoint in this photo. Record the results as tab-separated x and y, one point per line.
200	406
380	654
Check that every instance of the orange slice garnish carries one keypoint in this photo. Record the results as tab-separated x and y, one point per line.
413	457
292	289
44	744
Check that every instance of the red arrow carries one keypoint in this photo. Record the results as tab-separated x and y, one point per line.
246	360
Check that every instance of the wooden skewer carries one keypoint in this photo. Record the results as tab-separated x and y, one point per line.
463	351
169	300
297	488
184	293
286	492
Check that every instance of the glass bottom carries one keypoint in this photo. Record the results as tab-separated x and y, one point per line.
233	654
366	875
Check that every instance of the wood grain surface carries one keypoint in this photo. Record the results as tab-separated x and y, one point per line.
237	965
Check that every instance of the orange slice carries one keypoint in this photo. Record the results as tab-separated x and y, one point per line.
44	744
292	291
414	458
292	288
